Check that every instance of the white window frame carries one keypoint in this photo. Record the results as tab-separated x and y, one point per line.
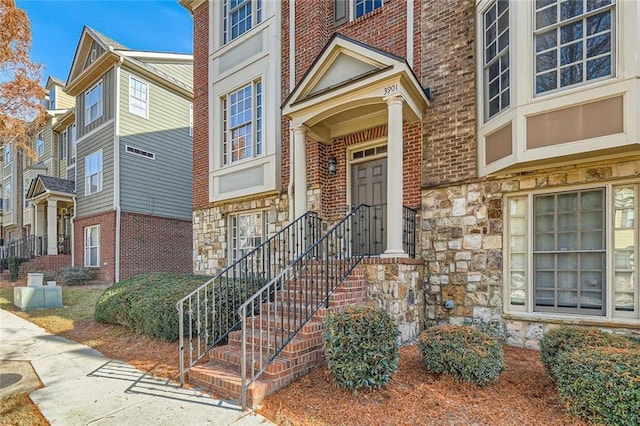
7	195
254	17
138	97
499	59
7	154
231	132
367	4
94	97
239	245
88	246
63	139
519	230
582	40
89	172
40	147
52	99
71	152
25	189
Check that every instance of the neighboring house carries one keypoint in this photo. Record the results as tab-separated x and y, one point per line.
127	146
18	216
519	149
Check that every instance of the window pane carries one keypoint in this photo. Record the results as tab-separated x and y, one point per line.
600	67
546	17
598	23
571	75
570	9
546	82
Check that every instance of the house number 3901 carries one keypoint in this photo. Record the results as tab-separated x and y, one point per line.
390	89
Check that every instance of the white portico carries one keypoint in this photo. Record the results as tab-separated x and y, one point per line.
352	87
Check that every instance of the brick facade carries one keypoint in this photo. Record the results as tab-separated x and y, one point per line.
201	106
154	244
449	126
106	272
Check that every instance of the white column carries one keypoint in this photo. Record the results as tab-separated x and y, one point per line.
39	228
394	178
52	226
300	169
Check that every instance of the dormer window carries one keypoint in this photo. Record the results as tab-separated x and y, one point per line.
52	99
239	16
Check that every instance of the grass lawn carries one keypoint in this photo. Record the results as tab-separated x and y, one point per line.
79	305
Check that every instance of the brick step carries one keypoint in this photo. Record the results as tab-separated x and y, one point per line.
298	284
267	341
296	353
226	383
273	322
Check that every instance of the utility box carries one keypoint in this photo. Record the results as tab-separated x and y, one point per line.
43	297
35	279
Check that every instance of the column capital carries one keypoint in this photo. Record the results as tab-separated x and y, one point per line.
396	98
299	128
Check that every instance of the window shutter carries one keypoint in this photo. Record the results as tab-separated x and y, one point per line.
339	12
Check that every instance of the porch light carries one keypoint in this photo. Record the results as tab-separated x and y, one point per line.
332	167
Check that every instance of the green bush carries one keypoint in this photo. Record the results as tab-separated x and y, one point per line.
567	338
466	354
600	384
147	302
14	267
361	347
74	275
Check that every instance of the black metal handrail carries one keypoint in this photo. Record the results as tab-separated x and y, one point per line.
207	314
289	300
409	216
24	249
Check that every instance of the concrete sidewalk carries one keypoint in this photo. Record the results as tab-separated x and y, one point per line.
83	387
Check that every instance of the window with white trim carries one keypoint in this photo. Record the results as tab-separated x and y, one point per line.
25	188
242	123
138	97
238	17
7	197
574	42
574	252
7	154
345	10
40	145
93	173
246	232
72	144
92	246
52	99
496	58
63	139
93	107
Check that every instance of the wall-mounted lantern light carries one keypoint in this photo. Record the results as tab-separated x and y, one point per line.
332	167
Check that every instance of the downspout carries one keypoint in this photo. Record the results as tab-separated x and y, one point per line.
116	170
292	83
73	223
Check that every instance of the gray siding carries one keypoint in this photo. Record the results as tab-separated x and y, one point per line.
99	51
181	72
103	200
108	106
161	186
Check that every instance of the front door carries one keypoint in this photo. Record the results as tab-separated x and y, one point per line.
369	186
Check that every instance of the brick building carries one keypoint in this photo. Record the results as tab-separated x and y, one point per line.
525	178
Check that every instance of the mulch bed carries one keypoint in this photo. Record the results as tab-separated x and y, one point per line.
523	395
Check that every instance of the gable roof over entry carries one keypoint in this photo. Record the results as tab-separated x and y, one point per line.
346	88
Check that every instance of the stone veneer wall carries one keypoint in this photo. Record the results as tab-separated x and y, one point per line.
210	229
461	234
396	286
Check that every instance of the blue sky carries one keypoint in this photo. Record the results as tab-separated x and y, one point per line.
56	25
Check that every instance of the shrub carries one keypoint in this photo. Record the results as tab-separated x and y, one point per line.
14	267
74	275
466	354
566	338
147	302
600	384
361	347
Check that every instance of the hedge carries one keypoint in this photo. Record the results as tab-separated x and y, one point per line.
361	345
567	338
147	302
600	384
466	354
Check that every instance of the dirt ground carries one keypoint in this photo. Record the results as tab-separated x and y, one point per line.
523	395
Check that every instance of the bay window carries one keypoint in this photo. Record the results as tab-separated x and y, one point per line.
574	41
239	16
242	123
496	58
